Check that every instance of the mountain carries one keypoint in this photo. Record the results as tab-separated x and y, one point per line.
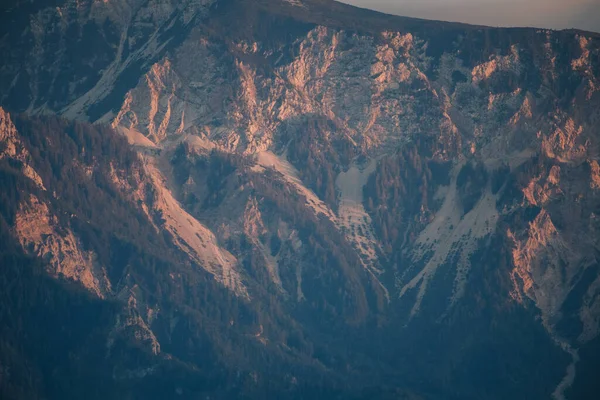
296	199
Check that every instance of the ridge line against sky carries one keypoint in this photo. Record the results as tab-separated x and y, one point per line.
554	14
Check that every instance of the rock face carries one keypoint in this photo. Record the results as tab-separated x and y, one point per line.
313	168
38	232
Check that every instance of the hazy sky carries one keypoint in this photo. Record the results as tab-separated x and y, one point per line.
556	14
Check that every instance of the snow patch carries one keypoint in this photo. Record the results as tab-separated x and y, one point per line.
448	233
355	222
295	3
136	138
194	238
353	218
267	159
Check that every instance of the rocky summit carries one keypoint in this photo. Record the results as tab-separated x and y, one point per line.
222	199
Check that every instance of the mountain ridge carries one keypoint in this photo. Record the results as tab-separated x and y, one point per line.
314	169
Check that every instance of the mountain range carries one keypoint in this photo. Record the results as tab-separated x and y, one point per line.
295	199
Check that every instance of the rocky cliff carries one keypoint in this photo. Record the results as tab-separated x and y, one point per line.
329	168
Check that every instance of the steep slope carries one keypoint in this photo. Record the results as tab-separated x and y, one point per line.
333	169
159	312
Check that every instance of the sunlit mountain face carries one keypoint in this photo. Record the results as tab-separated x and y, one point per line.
295	199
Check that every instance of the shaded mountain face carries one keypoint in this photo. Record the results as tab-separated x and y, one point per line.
295	198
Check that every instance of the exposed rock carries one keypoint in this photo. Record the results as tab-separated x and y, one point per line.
193	237
41	235
216	112
133	322
595	174
14	148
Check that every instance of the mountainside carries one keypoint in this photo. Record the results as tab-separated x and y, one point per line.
295	198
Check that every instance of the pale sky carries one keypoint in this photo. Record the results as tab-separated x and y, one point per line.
556	14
